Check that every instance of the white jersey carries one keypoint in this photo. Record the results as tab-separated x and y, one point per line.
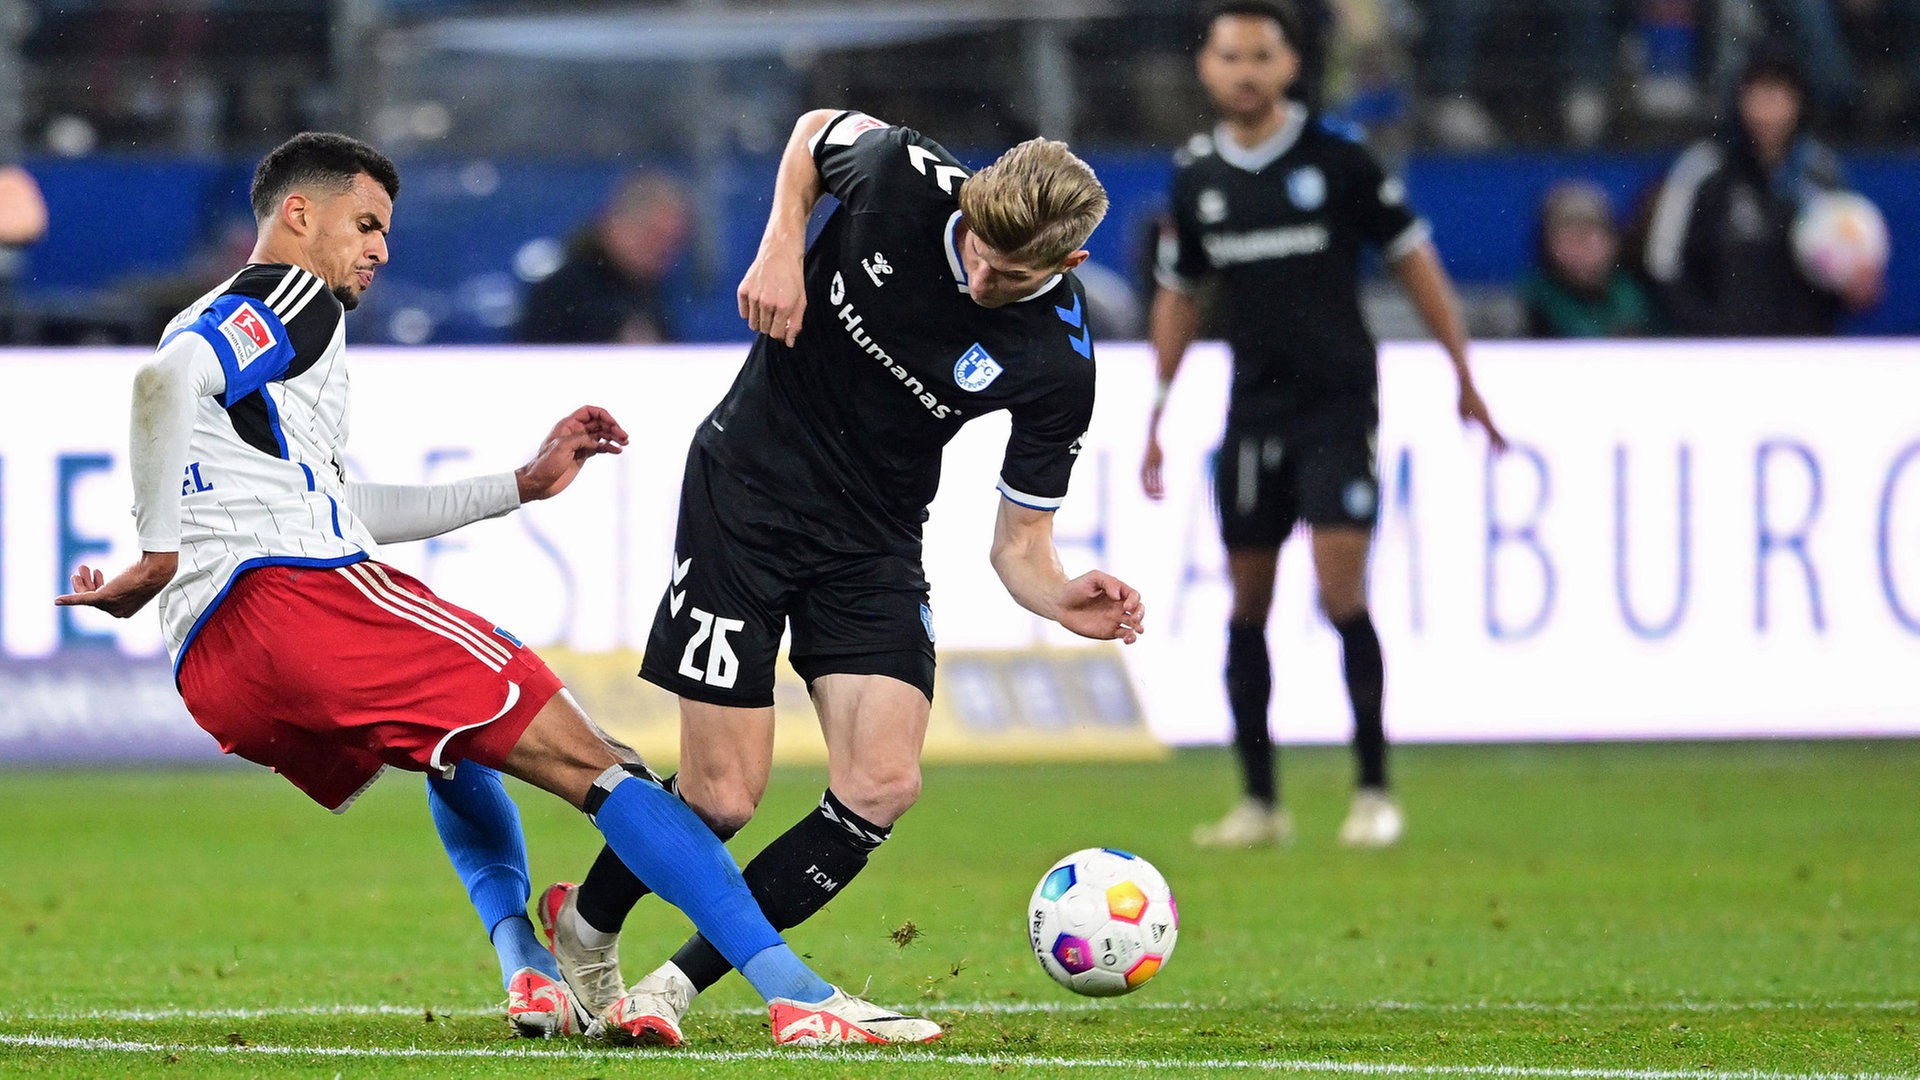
263	484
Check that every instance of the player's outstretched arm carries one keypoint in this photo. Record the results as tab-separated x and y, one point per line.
1175	323
1095	605
1432	293
773	295
395	513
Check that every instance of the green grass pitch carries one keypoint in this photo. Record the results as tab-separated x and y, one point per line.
1628	912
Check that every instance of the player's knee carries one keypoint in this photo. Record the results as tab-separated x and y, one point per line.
1343	605
725	812
881	797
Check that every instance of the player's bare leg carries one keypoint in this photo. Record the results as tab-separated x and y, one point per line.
875	727
726	755
1259	817
1340	568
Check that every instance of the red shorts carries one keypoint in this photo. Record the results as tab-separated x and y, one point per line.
329	675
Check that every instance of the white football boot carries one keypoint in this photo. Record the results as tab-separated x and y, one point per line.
650	1013
843	1019
592	974
540	1008
1374	821
1249	824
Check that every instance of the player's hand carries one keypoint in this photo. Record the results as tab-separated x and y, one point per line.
587	431
1473	410
1151	481
1098	605
773	295
129	590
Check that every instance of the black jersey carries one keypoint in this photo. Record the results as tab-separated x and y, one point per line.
847	426
1283	226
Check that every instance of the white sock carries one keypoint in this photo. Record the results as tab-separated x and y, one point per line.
671	972
585	932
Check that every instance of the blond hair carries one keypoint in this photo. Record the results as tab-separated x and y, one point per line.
1037	204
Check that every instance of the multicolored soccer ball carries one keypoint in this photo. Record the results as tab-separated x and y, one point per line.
1103	922
1838	235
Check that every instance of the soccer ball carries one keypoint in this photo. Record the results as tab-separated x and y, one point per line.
1103	922
1836	236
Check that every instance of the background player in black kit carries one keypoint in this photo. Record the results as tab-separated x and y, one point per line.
928	299
1278	206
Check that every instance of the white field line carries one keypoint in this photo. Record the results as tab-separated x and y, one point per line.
892	1058
1570	1008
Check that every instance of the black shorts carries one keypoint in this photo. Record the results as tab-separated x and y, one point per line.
1318	469
745	566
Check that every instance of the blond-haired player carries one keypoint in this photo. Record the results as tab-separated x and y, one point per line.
931	297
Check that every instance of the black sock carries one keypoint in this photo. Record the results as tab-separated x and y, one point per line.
1366	687
1249	688
795	876
610	890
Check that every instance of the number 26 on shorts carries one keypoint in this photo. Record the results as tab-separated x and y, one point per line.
722	667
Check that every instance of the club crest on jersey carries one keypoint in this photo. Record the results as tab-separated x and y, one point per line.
1211	207
975	370
1307	187
247	333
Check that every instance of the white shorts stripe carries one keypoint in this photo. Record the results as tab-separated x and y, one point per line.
391	609
513	696
376	576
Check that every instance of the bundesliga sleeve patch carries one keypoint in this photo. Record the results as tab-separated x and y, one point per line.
852	127
247	334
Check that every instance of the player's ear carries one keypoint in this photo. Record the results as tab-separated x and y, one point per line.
295	212
1074	259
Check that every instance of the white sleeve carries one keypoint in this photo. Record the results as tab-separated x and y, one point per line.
395	513
166	392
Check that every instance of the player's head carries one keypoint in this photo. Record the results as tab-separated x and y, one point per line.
1249	56
324	202
1770	94
1027	216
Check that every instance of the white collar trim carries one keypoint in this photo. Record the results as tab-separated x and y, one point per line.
951	241
1255	158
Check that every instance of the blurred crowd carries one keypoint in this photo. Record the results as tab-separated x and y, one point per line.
1566	77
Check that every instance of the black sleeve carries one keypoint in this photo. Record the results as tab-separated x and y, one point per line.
1181	261
1045	441
865	162
1375	204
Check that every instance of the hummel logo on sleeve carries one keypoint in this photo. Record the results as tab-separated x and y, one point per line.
1083	341
943	174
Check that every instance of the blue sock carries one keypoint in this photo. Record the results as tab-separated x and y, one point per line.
779	972
677	856
480	828
519	947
